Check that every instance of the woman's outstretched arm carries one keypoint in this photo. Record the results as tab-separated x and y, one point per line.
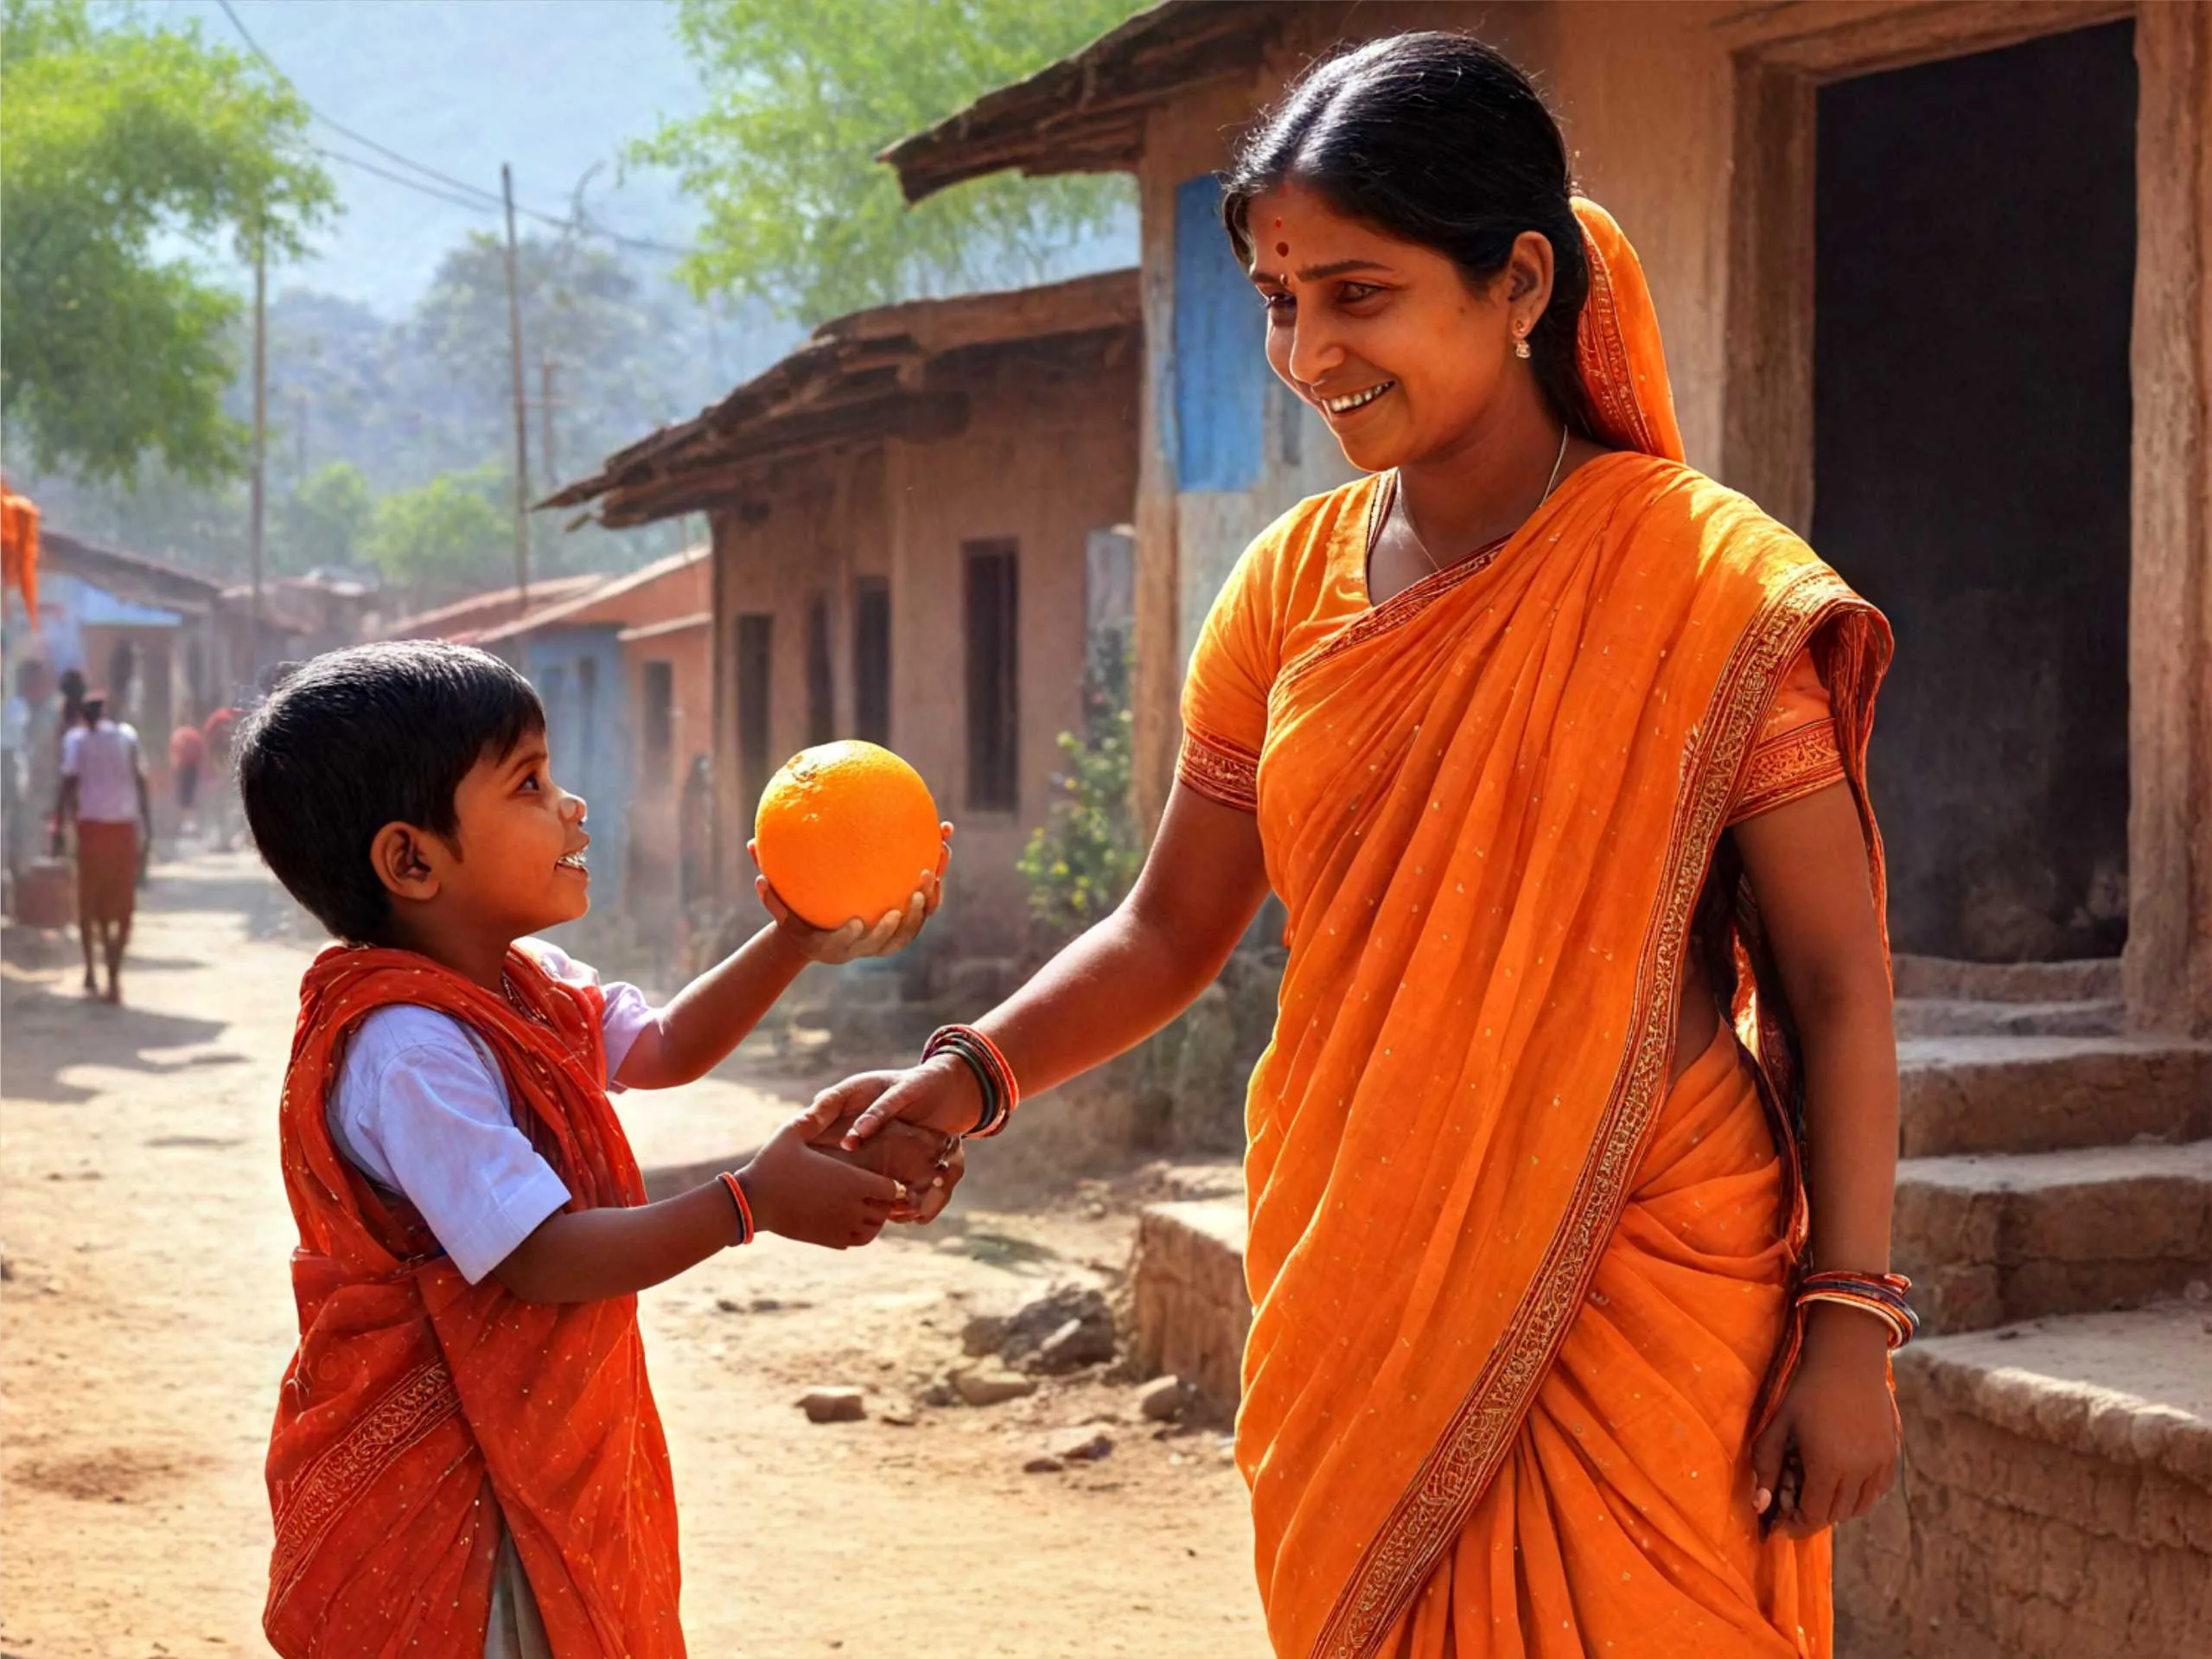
1109	990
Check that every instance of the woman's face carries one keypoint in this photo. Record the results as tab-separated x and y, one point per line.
1401	355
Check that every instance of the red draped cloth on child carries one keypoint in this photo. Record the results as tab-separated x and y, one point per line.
1521	1274
418	1409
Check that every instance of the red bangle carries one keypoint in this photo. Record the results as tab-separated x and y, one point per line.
736	1190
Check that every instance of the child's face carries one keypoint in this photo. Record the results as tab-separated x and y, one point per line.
520	842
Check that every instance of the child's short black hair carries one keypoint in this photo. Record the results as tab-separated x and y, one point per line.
360	738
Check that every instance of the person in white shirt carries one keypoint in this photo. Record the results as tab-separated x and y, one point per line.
103	790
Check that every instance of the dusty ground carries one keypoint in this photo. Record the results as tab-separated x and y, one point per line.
148	1317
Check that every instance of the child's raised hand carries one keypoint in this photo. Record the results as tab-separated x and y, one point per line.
887	934
807	1195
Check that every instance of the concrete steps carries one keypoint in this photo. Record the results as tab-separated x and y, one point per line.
2057	1496
1959	1016
1933	977
1190	1307
2038	1094
1993	1238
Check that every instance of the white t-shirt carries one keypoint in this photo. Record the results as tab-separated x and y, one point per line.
421	1109
103	759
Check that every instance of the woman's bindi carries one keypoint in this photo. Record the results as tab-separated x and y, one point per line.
1282	250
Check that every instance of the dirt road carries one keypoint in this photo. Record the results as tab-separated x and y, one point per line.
148	1317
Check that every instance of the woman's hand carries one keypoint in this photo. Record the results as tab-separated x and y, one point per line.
940	1095
928	1202
1841	1420
888	933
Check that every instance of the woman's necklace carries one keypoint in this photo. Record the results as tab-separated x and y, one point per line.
1558	461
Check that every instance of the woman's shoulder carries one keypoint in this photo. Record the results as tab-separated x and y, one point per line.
1730	535
1290	564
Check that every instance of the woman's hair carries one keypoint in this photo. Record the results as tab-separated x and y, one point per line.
1437	139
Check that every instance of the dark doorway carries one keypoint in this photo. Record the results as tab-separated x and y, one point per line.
871	659
994	677
1974	275
756	641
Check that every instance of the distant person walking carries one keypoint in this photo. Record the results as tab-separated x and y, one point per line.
103	789
188	752
216	735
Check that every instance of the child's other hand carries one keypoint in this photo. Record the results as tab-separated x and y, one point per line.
809	1195
887	934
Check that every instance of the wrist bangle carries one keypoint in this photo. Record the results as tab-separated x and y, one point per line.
1882	1295
737	1191
994	1077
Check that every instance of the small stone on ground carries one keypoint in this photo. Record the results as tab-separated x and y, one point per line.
1162	1398
834	1405
991	1386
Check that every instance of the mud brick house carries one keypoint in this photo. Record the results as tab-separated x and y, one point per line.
901	513
1933	278
148	632
464	621
573	652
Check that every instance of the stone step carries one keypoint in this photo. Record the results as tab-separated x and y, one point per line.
1189	1303
2056	1497
2097	979
2038	1094
1938	1016
1995	1238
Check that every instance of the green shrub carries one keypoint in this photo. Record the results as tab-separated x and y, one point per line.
1086	857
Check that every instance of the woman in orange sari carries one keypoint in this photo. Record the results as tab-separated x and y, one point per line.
1554	752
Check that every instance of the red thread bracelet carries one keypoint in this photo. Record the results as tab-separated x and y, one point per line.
736	1190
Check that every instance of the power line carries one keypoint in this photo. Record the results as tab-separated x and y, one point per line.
483	201
270	64
397	178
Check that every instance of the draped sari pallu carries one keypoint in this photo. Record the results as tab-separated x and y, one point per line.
419	1410
1490	806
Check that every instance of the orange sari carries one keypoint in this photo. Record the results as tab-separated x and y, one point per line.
420	1409
1518	1301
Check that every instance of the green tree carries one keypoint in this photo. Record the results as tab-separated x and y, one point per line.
110	138
446	538
327	521
800	214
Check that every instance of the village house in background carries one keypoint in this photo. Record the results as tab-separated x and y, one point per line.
618	732
464	621
1933	283
915	540
1772	166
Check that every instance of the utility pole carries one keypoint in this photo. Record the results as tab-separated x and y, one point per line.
545	417
521	423
299	440
260	434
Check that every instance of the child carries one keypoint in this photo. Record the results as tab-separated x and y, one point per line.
466	1458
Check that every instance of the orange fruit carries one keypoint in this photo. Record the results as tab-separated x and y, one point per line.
845	830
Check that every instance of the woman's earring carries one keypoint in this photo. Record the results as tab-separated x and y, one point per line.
1520	341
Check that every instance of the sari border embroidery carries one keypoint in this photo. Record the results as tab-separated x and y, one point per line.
1406	604
416	1404
1789	768
1600	341
1219	770
1458	1470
